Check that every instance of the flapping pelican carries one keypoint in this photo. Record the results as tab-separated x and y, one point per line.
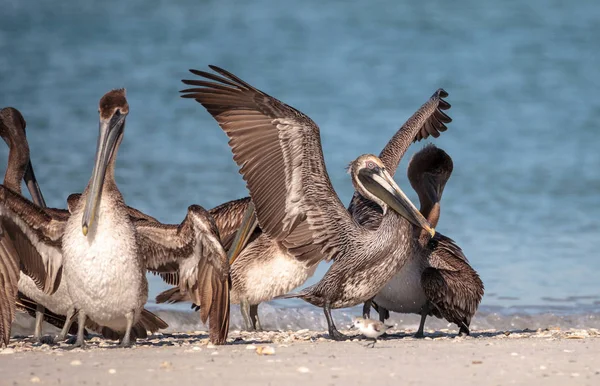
30	298
105	252
265	269
439	280
278	150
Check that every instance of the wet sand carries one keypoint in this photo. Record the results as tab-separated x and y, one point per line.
546	356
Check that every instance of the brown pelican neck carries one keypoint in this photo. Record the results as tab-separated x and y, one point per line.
431	211
392	153
18	159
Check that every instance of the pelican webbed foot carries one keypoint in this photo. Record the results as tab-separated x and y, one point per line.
334	334
464	331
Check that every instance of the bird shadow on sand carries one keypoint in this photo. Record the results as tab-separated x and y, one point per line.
406	335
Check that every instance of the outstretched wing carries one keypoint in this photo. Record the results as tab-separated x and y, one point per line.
429	119
36	234
229	215
9	278
135	214
30	240
192	252
278	150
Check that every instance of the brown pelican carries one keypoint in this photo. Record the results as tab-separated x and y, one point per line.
12	129
439	280
279	153
105	252
265	269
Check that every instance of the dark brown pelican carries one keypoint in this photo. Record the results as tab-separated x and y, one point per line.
437	280
105	252
278	149
265	269
12	130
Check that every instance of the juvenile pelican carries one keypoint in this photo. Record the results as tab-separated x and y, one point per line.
105	252
30	297
278	149
265	269
438	279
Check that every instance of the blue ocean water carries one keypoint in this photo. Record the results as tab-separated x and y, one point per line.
523	79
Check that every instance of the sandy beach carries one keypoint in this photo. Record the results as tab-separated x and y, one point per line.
550	356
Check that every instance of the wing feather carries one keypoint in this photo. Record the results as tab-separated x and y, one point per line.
192	251
279	153
429	119
36	234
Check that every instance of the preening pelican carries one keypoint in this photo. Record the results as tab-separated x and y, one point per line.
438	279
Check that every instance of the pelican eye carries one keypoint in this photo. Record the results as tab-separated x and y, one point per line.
371	165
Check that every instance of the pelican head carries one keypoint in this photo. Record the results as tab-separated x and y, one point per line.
428	171
373	182
12	130
113	110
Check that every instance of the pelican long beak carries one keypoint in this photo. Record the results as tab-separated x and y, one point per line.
243	234
382	185
110	131
33	187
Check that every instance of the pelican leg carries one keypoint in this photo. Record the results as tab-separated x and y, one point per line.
372	344
464	329
383	312
39	319
424	313
367	309
254	317
245	310
333	332
126	341
80	342
67	326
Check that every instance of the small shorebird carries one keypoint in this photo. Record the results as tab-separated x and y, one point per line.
104	251
279	153
438	279
370	328
265	269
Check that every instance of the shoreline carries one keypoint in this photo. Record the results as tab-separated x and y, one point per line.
549	356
